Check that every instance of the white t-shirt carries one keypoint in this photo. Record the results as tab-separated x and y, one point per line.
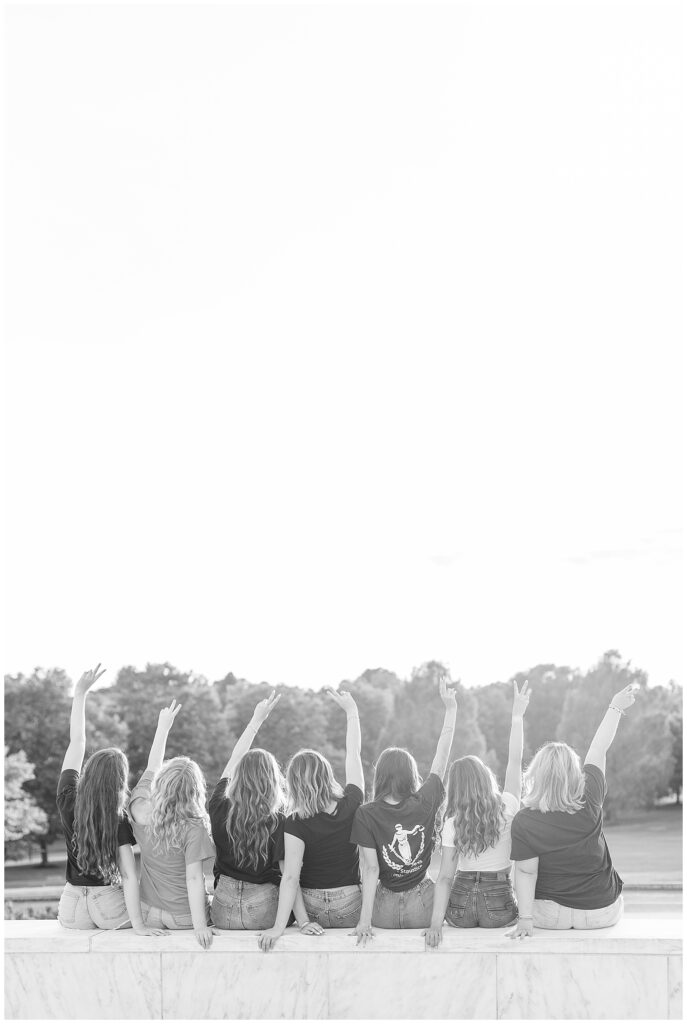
497	857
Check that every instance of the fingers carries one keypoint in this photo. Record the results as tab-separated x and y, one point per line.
525	687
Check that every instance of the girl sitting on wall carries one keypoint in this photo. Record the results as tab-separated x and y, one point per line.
317	852
476	839
564	877
247	819
97	831
395	833
172	828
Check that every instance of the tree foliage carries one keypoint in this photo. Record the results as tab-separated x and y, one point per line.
23	816
644	762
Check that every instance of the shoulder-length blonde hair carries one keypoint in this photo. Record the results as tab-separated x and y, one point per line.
311	784
178	797
475	805
554	780
256	796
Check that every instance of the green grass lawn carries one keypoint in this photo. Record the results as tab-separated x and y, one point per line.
647	848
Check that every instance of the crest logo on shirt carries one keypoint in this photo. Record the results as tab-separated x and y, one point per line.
401	855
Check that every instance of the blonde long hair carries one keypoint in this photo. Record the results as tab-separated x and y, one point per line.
178	797
311	784
256	797
554	780
475	804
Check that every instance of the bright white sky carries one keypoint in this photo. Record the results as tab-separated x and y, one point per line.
342	337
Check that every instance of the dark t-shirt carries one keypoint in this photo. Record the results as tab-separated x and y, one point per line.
329	860
575	866
66	796
267	869
402	834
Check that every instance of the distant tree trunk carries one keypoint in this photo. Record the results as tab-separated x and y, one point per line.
43	841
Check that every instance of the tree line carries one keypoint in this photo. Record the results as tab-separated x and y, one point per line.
644	763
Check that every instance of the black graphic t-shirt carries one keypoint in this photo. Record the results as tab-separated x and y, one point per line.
66	798
575	867
402	834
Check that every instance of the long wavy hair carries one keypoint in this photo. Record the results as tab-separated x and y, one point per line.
178	797
396	775
256	797
554	780
101	794
475	804
311	785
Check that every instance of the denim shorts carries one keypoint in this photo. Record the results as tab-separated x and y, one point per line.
155	917
548	914
93	906
481	899
334	908
411	908
244	904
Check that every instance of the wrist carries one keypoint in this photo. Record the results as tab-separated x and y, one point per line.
302	924
352	714
612	707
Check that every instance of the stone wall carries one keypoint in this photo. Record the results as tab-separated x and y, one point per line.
631	971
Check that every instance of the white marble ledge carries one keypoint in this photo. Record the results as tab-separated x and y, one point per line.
638	935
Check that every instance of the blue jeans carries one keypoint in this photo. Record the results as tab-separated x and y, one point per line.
481	899
334	908
93	906
244	904
409	909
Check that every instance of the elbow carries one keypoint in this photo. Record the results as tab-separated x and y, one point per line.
290	878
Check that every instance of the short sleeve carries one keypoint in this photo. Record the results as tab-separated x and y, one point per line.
448	833
197	844
361	834
125	833
522	839
141	790
350	801
594	785
278	839
66	788
511	804
295	827
431	792
219	795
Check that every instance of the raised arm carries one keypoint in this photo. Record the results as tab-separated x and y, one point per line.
139	802
354	764
164	724
243	743
77	723
605	734
521	699
448	695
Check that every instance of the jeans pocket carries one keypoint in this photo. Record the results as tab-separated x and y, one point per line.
458	900
66	910
500	903
345	913
108	902
546	914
